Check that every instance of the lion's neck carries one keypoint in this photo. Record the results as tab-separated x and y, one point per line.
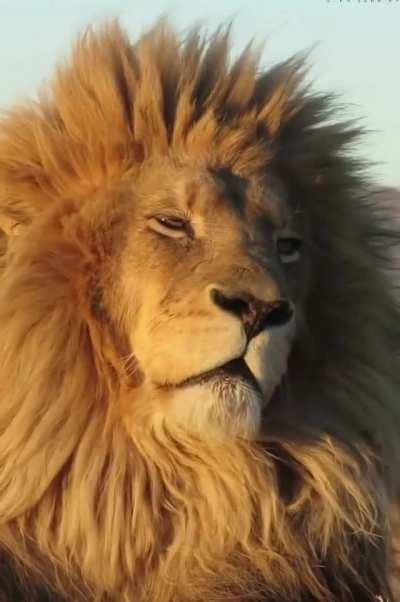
189	520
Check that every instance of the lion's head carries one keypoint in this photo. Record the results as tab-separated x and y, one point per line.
205	300
198	370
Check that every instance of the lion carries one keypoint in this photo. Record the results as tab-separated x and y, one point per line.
199	367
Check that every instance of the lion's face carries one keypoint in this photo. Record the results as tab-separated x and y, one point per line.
208	296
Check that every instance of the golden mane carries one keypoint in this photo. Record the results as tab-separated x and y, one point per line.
301	514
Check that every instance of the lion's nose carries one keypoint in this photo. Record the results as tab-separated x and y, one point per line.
256	315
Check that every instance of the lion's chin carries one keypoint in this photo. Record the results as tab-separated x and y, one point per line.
227	402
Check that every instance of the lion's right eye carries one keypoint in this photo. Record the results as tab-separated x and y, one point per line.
170	226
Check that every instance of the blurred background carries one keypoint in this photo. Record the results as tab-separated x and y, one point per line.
356	49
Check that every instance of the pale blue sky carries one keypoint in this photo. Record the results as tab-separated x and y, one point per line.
357	53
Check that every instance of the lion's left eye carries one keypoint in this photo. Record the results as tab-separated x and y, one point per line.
289	248
170	226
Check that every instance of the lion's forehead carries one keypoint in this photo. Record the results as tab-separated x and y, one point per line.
210	195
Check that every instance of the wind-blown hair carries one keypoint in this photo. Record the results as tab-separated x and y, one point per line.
303	512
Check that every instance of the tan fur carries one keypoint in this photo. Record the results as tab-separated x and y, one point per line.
112	488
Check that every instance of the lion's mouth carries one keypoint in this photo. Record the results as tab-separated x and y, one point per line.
233	371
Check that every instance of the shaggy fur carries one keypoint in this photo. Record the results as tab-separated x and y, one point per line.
100	511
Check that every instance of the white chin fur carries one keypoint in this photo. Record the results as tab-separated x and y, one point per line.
221	408
218	409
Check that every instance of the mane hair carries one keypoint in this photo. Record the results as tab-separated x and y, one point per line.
94	512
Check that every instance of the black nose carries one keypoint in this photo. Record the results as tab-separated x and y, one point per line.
255	314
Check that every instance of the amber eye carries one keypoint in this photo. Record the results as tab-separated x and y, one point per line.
174	223
170	226
289	248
